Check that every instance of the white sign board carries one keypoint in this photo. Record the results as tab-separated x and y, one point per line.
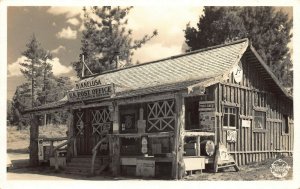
246	123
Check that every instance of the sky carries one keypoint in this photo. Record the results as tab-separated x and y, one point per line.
58	29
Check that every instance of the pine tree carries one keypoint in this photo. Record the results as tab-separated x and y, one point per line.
32	68
106	41
269	31
20	101
45	78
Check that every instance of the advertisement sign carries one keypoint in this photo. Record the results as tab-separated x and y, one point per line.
231	135
207	120
207	115
144	145
41	149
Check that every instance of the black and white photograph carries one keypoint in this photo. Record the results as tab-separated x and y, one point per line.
155	92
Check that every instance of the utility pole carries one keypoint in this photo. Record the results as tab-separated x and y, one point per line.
44	87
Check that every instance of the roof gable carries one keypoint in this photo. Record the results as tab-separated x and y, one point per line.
268	75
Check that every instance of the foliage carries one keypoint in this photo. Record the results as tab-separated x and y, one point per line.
41	87
269	31
35	66
106	41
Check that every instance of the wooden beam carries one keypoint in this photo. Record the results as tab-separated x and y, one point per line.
34	134
150	135
178	164
189	134
114	150
70	134
147	98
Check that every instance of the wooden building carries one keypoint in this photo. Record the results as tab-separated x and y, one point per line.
158	113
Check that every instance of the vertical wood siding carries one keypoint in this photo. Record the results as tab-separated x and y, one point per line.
252	91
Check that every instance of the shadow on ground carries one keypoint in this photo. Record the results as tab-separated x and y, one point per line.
250	172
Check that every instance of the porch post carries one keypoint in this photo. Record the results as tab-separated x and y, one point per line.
70	124
33	147
114	143
178	164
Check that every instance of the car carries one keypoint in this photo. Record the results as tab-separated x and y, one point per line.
9	164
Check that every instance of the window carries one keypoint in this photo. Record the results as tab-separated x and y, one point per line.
192	113
259	120
285	124
230	118
130	146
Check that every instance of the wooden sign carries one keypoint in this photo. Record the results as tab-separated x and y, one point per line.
222	153
223	159
88	84
207	106
82	93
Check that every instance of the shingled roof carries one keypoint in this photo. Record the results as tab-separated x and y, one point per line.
186	69
173	73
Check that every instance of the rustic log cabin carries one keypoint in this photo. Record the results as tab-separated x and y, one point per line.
160	118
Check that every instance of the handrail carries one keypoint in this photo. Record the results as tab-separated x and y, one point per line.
55	139
59	147
94	151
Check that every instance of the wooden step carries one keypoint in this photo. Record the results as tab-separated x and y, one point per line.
82	165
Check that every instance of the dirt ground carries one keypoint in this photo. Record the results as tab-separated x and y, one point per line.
252	172
17	148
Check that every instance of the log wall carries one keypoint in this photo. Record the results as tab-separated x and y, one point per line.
254	93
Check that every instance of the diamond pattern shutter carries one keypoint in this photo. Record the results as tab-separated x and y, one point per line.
101	121
161	116
79	123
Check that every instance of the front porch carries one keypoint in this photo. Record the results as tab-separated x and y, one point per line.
135	135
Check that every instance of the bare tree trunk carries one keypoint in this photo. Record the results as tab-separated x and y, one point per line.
34	134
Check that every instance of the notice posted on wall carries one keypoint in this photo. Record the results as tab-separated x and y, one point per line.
207	121
207	115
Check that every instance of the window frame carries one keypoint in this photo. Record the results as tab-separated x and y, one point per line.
255	129
227	127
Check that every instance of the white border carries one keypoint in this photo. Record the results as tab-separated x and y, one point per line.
295	183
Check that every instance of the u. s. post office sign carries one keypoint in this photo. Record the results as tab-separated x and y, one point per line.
89	93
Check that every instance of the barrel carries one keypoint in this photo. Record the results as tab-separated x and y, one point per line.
207	148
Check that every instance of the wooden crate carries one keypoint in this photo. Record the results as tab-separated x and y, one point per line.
145	168
194	163
61	161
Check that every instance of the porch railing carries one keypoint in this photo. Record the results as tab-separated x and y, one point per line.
69	141
95	151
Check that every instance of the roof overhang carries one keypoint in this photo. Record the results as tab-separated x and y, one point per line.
268	75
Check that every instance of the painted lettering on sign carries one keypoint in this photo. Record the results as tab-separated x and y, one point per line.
91	93
207	106
88	84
